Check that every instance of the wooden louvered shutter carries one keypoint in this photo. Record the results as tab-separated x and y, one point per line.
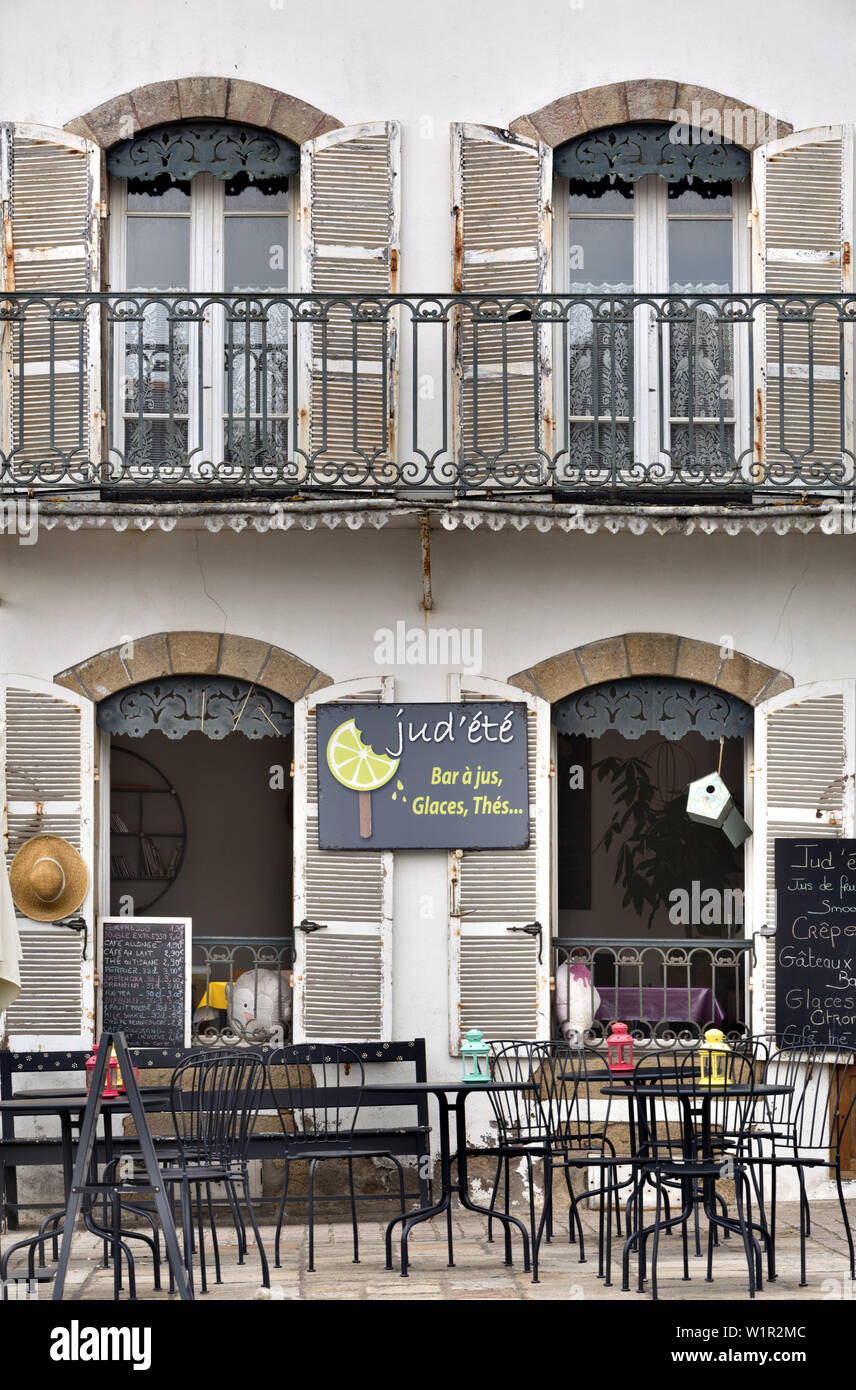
48	788
501	207
805	756
343	972
499	976
50	385
350	209
802	195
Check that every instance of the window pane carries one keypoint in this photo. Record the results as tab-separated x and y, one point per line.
600	197
158	253
271	196
699	197
144	197
601	254
256	253
699	256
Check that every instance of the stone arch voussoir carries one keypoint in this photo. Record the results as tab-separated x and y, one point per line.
209	98
649	99
193	653
652	654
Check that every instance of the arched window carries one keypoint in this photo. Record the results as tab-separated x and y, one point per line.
641	212
206	208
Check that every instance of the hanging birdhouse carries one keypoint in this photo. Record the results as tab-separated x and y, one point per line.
619	1048
710	803
714	1055
475	1058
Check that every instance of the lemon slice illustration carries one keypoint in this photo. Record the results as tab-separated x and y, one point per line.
357	766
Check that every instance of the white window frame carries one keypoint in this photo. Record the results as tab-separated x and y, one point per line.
649	211
207	216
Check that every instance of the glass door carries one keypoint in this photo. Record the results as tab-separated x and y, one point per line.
651	387
199	346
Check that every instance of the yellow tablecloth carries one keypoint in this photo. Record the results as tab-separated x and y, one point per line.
214	996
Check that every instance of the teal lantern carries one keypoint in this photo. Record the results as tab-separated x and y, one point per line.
475	1056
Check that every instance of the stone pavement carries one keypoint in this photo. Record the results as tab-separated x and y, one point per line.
479	1271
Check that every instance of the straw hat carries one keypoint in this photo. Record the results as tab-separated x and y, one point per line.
48	877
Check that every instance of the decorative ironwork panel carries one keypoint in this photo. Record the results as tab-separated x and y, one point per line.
211	705
167	354
669	991
242	990
186	148
641	705
629	152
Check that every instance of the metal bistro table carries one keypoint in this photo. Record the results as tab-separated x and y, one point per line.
451	1099
696	1103
68	1107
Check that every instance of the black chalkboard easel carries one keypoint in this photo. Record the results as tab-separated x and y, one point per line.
144	968
816	941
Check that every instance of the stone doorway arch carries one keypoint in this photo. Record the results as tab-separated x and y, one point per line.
197	98
652	654
647	99
193	653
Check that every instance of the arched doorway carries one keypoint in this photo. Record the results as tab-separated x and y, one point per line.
648	907
194	802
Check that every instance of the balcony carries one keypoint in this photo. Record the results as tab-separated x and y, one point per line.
241	989
667	991
618	398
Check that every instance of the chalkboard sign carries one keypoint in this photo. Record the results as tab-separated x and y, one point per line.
816	941
144	969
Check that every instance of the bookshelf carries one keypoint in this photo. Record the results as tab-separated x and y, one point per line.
148	830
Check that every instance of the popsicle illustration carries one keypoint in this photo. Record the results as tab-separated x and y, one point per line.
359	768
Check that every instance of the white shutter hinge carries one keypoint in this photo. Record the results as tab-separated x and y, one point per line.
552	768
101	208
756	767
291	769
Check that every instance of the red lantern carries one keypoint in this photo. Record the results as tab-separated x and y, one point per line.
109	1092
619	1047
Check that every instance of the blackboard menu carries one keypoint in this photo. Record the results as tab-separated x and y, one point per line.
816	941
145	979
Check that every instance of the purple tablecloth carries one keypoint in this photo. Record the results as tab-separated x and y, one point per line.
627	1004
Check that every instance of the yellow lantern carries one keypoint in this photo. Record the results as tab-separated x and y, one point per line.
713	1059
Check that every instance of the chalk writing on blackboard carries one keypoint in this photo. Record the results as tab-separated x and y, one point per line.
144	974
816	941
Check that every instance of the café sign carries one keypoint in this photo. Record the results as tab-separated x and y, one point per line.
423	776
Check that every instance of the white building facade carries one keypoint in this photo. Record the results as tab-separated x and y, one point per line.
577	430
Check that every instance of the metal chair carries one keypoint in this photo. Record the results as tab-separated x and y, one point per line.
673	1150
215	1097
563	1124
807	1127
523	1126
580	1118
321	1091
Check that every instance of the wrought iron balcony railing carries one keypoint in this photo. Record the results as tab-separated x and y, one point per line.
552	395
666	991
241	989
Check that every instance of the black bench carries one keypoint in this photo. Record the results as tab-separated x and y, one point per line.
410	1141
